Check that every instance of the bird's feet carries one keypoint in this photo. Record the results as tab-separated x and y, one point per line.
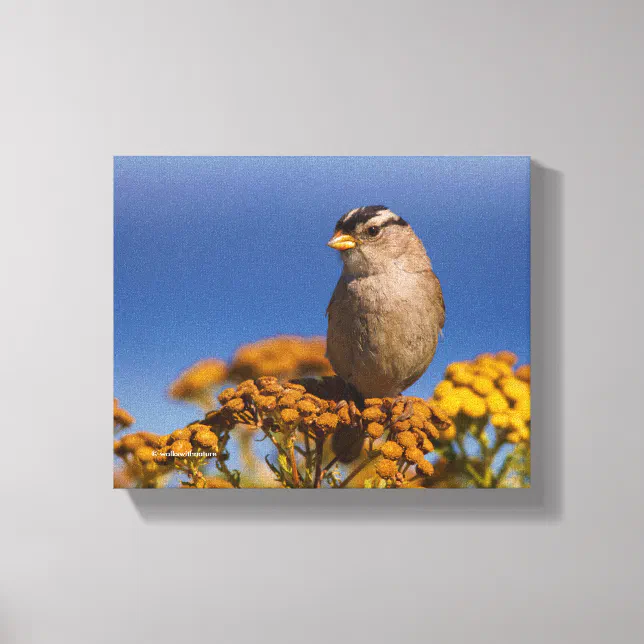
408	410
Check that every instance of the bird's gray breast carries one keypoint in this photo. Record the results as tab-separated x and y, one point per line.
390	311
383	330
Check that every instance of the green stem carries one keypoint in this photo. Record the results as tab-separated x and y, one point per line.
307	454
359	469
295	473
330	464
475	475
232	479
461	445
503	470
319	448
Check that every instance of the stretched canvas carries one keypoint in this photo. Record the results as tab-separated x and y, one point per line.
321	322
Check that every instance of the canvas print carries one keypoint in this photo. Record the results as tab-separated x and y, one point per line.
321	322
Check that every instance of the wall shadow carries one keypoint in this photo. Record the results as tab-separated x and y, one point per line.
543	502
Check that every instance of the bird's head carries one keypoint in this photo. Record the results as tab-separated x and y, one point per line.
370	238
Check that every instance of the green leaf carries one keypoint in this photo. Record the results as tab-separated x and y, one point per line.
283	461
272	467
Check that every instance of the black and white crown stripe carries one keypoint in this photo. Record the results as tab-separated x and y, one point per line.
375	215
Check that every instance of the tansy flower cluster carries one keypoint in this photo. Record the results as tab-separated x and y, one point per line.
152	455
407	426
122	418
196	383
283	357
267	404
306	430
312	432
487	389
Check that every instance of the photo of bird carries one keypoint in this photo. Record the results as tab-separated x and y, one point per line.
223	273
387	310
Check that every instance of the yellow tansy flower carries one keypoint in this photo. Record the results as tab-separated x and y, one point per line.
496	402
463	375
425	467
443	388
472	405
523	373
451	404
375	430
500	421
391	450
514	388
508	357
386	468
290	415
482	386
522	408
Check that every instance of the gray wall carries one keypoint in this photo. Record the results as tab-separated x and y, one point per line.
82	81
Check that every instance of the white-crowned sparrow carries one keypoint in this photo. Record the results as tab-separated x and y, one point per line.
387	310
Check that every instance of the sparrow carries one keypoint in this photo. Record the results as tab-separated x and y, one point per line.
387	310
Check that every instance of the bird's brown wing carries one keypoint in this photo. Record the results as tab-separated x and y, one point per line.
339	289
339	340
439	296
435	296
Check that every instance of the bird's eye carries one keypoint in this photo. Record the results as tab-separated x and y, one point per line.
373	231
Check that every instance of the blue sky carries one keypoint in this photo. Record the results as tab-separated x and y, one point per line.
214	252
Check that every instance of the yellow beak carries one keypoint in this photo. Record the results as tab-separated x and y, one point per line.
340	241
